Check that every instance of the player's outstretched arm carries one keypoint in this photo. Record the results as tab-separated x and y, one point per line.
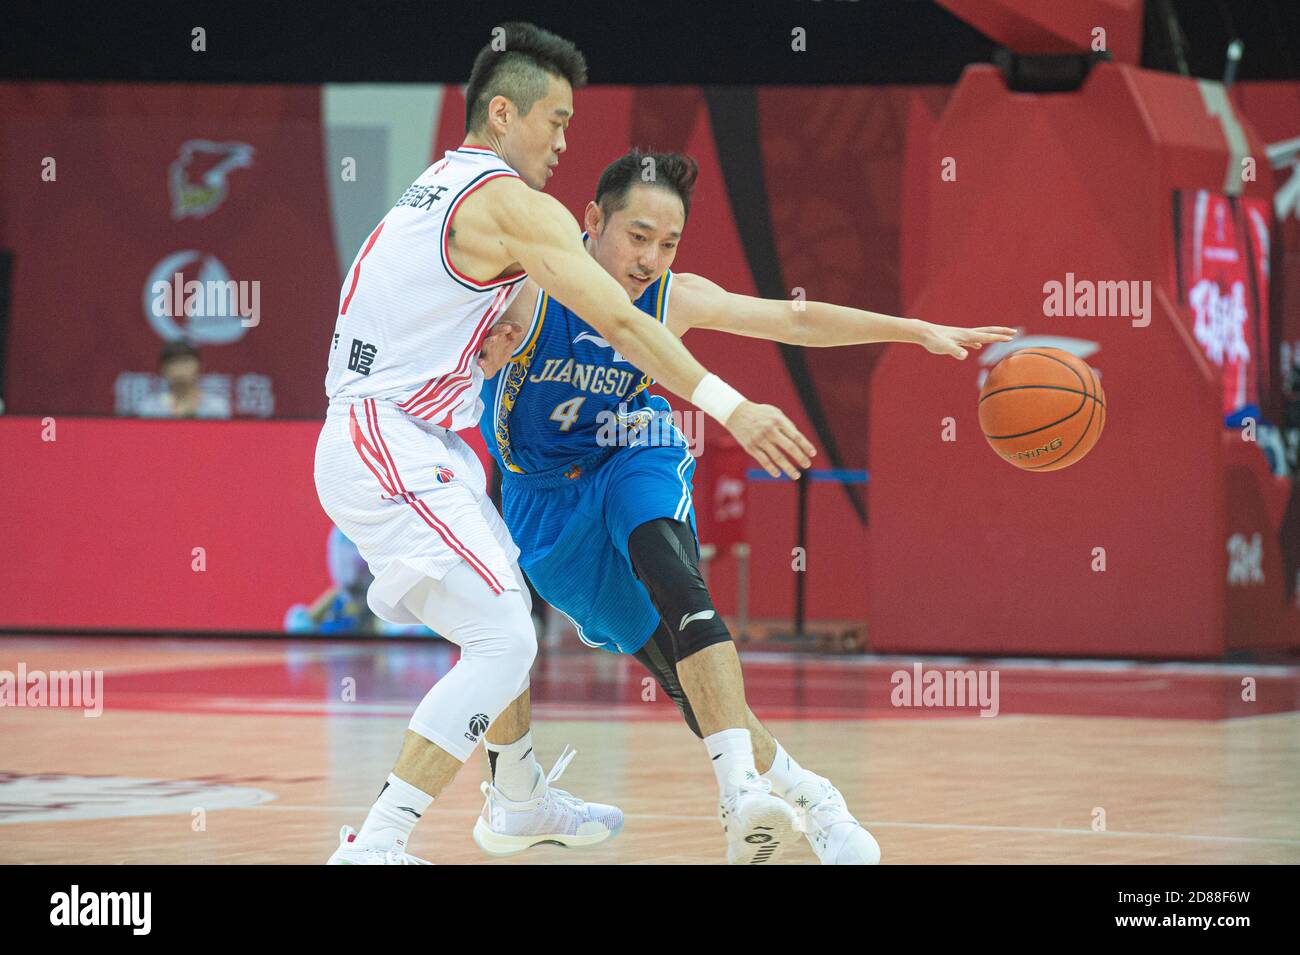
541	235
699	303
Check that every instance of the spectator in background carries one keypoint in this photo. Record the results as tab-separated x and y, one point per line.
342	609
183	396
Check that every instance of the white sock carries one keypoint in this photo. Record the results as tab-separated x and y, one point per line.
393	815
731	750
514	767
785	773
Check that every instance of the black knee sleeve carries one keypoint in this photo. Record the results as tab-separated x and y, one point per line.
665	558
658	656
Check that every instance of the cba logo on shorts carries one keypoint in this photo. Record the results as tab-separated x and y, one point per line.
444	475
478	724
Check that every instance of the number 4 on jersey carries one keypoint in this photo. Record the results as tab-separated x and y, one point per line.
566	412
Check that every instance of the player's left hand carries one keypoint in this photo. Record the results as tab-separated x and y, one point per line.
951	340
501	341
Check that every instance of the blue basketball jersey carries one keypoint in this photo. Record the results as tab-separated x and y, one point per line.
566	391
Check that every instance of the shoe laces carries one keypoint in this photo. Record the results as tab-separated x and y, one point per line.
394	857
823	815
757	785
550	792
561	764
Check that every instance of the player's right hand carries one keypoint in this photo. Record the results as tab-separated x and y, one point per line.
767	434
500	342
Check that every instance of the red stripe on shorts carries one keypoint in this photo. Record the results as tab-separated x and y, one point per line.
362	445
421	508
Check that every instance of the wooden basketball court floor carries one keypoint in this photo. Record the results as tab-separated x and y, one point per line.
227	751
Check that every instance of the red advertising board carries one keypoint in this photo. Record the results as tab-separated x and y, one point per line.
108	190
1223	280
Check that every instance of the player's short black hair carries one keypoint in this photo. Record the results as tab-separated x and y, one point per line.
177	348
673	171
516	65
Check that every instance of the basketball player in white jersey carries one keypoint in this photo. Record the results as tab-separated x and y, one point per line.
415	307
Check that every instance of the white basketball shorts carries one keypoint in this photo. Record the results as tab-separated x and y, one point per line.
413	497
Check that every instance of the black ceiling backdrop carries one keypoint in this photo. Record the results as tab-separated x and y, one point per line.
625	41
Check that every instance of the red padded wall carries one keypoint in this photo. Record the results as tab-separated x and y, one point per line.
970	554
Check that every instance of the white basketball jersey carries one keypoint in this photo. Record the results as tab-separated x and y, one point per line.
409	325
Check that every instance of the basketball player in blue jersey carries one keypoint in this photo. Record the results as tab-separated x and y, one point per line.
596	492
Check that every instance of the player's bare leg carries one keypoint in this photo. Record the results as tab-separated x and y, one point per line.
425	765
765	745
715	686
422	771
514	721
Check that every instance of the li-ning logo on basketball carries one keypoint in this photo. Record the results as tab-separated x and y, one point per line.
443	475
1245	560
1053	445
478	724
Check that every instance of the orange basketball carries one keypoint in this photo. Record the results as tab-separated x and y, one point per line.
1042	409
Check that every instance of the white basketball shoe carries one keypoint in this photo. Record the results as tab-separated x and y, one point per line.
759	826
350	852
549	816
835	836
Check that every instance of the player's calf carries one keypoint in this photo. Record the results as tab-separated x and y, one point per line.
758	825
659	656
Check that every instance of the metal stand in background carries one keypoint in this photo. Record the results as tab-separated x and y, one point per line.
740	551
801	541
707	553
831	476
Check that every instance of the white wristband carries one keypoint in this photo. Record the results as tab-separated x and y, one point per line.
716	398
